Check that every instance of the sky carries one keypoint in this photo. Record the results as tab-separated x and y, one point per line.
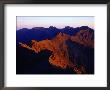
57	21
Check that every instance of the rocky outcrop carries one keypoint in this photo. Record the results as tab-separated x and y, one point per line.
84	37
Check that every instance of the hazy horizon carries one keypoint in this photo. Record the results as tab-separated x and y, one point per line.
55	21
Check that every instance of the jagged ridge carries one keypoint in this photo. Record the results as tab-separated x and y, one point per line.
59	48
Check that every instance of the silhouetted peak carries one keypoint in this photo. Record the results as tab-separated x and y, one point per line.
68	27
84	28
52	27
24	29
37	27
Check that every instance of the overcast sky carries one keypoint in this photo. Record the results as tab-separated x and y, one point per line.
59	21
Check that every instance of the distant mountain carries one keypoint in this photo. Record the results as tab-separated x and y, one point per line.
40	33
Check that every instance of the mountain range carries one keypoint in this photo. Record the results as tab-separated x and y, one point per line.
41	33
70	49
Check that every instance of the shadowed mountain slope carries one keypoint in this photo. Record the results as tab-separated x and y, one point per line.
69	49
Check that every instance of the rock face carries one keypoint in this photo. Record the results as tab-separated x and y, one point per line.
84	37
58	46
